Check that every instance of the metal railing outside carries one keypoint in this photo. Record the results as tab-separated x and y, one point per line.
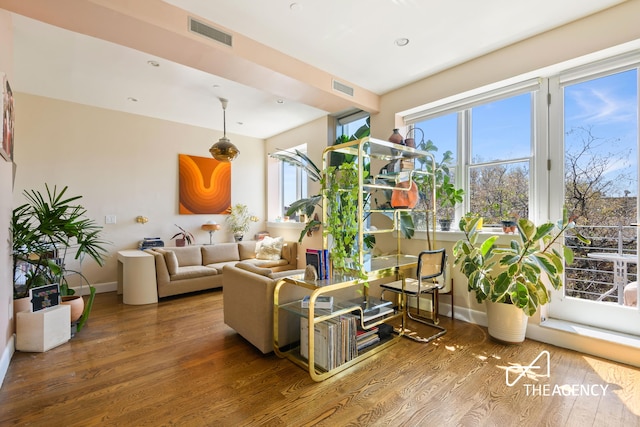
600	279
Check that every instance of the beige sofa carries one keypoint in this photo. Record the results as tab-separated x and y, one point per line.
197	267
248	304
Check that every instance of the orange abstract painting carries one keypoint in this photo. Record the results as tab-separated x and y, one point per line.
205	185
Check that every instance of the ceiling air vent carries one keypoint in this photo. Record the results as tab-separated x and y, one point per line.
210	32
341	87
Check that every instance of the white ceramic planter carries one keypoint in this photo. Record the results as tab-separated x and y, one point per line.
507	323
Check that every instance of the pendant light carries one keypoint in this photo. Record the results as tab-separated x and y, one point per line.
224	150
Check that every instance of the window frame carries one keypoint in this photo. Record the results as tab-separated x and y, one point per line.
462	106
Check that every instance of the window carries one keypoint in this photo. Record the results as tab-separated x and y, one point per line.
500	150
293	183
597	122
353	126
489	141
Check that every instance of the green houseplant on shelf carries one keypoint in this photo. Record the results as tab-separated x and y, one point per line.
513	278
43	231
239	220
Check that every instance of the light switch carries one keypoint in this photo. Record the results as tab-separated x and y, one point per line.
110	219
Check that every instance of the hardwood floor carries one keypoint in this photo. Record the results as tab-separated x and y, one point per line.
177	363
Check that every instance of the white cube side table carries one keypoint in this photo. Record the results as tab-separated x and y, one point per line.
43	330
137	277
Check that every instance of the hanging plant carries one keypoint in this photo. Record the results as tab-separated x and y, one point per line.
342	190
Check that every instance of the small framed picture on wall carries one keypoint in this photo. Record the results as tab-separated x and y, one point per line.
8	118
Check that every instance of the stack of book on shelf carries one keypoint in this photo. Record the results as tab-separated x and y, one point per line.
322	302
366	338
319	258
334	341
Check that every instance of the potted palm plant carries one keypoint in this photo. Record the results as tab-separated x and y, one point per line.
43	230
513	279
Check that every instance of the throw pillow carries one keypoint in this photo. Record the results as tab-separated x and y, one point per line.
172	261
270	248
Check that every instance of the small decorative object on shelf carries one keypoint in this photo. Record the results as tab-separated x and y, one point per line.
310	274
396	138
410	141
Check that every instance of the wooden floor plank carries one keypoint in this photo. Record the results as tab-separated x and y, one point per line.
177	363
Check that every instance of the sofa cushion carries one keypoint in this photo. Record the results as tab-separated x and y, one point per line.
221	252
253	268
172	261
265	263
269	248
220	265
188	255
193	271
247	249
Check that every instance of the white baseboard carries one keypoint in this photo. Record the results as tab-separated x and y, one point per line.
609	345
6	357
100	288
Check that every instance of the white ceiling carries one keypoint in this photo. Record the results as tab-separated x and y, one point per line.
351	39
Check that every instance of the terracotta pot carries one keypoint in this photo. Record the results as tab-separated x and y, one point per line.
77	305
507	323
396	138
181	242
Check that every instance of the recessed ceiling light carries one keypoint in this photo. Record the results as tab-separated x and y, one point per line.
240	123
132	99
216	86
153	63
402	42
295	7
280	101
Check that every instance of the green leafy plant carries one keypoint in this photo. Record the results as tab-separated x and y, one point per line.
515	274
43	230
298	159
184	234
448	196
341	188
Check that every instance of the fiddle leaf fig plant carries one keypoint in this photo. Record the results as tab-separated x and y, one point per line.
515	274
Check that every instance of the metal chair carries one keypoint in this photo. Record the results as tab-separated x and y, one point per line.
431	266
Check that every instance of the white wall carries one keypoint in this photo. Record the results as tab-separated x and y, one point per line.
125	165
6	263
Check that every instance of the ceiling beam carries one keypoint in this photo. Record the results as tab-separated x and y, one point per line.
161	29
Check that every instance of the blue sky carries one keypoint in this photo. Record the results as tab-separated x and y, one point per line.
609	107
